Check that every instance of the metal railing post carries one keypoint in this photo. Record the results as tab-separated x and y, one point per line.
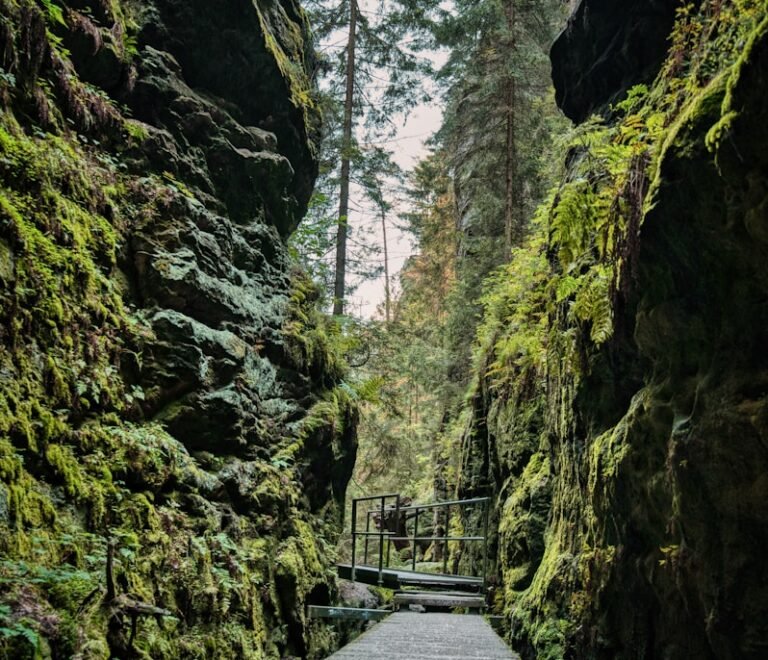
415	534
367	530
446	511
397	518
486	509
381	544
354	538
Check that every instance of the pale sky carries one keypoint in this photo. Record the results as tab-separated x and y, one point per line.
408	146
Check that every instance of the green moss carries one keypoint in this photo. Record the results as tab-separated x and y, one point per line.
285	42
704	105
66	467
549	327
78	467
730	110
316	342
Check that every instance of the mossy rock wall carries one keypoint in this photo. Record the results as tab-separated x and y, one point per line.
170	401
625	439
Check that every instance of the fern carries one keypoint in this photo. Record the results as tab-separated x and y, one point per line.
21	629
55	12
592	304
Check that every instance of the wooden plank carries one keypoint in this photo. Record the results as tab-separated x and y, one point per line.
411	636
396	578
437	599
444	582
324	612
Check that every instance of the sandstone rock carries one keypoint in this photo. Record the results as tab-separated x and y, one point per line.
606	48
161	152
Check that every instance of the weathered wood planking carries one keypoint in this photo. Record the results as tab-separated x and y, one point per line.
411	636
397	578
439	599
325	612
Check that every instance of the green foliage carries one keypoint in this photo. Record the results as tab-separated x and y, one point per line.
497	135
312	244
12	631
317	343
388	80
514	327
337	409
388	42
704	37
403	429
54	11
376	178
550	314
78	465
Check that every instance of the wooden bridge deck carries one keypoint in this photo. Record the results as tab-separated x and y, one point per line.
397	578
413	636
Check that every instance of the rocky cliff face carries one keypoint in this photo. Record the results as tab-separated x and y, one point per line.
607	47
625	438
175	439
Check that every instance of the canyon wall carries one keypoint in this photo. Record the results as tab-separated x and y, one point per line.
619	415
175	433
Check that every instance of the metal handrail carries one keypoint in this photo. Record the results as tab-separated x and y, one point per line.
390	536
382	499
435	538
368	498
436	505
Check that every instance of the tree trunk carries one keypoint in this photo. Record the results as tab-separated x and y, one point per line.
387	298
346	148
512	234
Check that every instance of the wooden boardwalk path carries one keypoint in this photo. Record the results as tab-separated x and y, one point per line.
396	578
414	636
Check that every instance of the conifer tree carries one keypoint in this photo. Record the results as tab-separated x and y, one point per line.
339	282
497	126
383	76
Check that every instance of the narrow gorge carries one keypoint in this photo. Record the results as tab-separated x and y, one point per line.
580	333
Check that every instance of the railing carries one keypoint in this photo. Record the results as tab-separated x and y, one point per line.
386	538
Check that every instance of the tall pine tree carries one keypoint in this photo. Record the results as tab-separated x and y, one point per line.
382	74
